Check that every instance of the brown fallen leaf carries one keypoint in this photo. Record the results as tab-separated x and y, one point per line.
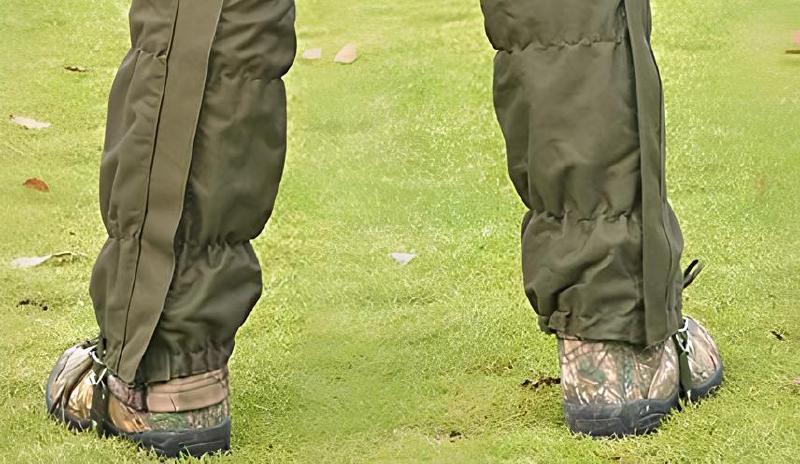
796	40
36	184
312	54
797	381
540	382
33	261
28	123
75	68
347	55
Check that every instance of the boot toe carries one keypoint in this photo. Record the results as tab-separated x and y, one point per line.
65	395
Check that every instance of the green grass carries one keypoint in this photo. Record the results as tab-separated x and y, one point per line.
351	358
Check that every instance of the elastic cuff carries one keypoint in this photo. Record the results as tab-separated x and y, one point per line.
627	328
161	365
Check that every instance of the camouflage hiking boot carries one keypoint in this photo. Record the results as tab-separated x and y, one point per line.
183	416
618	389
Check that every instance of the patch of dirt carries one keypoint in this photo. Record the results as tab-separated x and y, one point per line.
34	303
540	382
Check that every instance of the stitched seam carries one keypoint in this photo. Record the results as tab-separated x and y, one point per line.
139	235
543	46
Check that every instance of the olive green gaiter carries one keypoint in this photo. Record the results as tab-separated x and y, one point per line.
195	144
579	101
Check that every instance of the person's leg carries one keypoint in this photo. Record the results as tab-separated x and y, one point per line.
579	100
194	151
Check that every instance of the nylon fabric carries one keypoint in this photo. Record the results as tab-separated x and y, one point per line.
578	99
194	153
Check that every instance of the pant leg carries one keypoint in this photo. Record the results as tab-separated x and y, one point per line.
579	100
194	151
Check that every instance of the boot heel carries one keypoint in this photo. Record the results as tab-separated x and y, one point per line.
193	443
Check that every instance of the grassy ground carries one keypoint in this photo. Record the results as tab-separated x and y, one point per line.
352	358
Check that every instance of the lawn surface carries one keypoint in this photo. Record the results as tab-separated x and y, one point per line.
350	357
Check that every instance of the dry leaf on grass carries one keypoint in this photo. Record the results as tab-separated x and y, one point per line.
403	258
347	55
36	184
28	123
796	40
33	261
312	54
797	381
75	68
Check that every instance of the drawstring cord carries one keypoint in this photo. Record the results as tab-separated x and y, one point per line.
691	272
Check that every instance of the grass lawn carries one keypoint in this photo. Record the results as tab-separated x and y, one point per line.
350	357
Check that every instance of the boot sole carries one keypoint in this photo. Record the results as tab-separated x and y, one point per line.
633	418
617	420
175	443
